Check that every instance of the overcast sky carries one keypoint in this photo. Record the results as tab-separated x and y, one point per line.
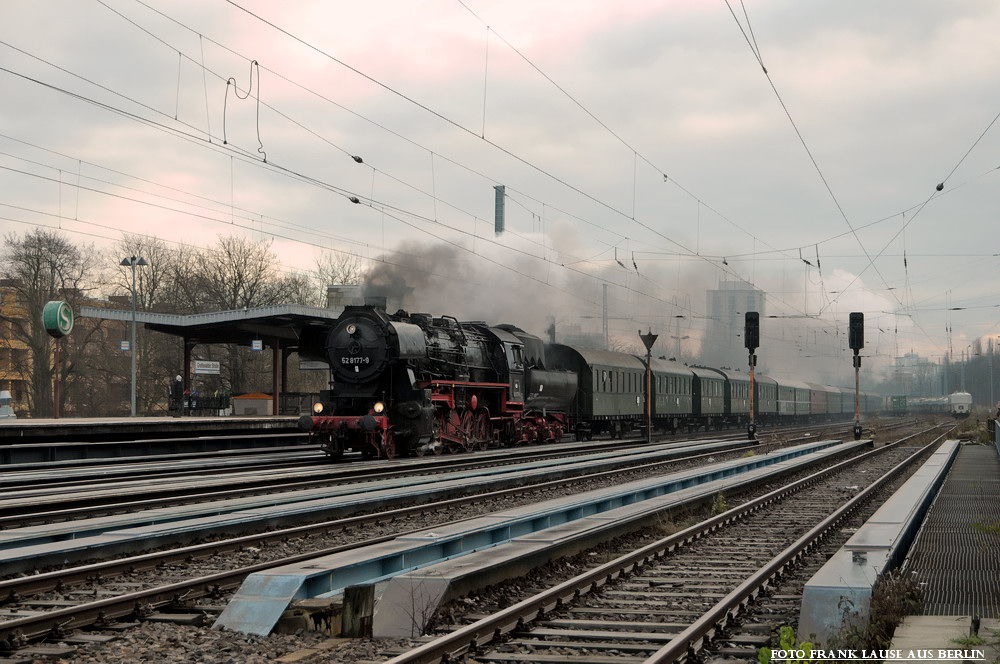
667	145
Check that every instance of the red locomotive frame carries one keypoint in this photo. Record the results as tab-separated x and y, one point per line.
468	416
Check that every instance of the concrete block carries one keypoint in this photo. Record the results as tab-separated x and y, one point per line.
842	588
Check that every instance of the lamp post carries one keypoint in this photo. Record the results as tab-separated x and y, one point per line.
132	262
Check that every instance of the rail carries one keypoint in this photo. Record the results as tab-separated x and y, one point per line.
471	637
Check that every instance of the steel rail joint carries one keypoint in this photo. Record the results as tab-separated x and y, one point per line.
453	645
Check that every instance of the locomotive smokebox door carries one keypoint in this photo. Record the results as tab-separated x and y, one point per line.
358	348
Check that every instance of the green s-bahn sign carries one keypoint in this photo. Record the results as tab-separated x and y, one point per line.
57	317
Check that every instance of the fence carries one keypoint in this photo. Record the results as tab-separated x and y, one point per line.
297	403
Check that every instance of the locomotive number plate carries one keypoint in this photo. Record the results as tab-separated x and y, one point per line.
355	360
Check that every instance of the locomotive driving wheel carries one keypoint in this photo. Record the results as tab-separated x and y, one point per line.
483	429
387	448
468	429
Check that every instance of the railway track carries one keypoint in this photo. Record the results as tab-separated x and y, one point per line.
33	504
665	601
45	605
71	474
36	505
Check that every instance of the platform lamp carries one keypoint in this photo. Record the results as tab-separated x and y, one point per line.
751	339
133	262
856	340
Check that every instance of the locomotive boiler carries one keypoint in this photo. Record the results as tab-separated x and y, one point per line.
404	384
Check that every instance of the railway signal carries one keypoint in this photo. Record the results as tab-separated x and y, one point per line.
648	340
856	340
751	339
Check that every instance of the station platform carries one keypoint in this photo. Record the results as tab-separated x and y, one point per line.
43	441
946	639
14	431
956	555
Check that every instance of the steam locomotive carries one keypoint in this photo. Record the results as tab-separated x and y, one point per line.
406	384
411	384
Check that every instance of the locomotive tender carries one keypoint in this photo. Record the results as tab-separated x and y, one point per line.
403	384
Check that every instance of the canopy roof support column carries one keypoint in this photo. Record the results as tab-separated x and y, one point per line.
277	379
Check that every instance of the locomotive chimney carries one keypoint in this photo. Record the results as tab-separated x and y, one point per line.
376	301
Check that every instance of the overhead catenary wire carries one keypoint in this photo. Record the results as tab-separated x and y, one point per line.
461	127
300	125
175	131
491	143
209	139
822	176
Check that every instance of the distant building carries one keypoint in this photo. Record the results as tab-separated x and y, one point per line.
91	344
916	376
15	358
725	308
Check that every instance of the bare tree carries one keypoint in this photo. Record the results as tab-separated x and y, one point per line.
41	266
619	344
336	268
301	289
238	273
159	356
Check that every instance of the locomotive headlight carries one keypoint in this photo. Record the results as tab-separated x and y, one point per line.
317	408
352	328
379	407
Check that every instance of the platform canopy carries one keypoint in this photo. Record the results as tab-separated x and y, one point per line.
284	328
284	322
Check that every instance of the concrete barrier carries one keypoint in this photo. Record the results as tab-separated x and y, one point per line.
844	584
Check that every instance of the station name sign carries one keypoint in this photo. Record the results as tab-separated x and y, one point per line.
206	367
